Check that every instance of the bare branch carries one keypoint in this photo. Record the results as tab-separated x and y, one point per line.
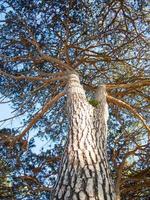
137	84
32	78
62	65
129	108
40	114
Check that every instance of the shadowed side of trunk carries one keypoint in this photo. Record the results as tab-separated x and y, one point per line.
84	173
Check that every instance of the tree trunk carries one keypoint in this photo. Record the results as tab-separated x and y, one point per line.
84	173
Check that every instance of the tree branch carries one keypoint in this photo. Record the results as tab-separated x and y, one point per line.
32	78
128	107
137	84
40	114
49	58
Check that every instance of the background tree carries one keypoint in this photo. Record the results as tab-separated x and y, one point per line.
106	42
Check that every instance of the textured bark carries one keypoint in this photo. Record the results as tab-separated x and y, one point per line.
84	173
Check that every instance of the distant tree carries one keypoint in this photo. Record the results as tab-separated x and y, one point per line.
45	46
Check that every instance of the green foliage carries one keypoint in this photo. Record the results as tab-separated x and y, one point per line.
94	102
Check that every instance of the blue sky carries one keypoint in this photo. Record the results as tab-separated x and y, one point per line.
7	112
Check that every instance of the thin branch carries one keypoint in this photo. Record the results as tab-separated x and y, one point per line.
49	58
40	114
13	117
30	178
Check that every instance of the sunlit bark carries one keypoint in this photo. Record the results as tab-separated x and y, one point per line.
84	173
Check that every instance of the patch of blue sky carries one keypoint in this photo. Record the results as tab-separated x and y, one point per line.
6	112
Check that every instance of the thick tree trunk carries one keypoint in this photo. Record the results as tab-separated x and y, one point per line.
84	172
